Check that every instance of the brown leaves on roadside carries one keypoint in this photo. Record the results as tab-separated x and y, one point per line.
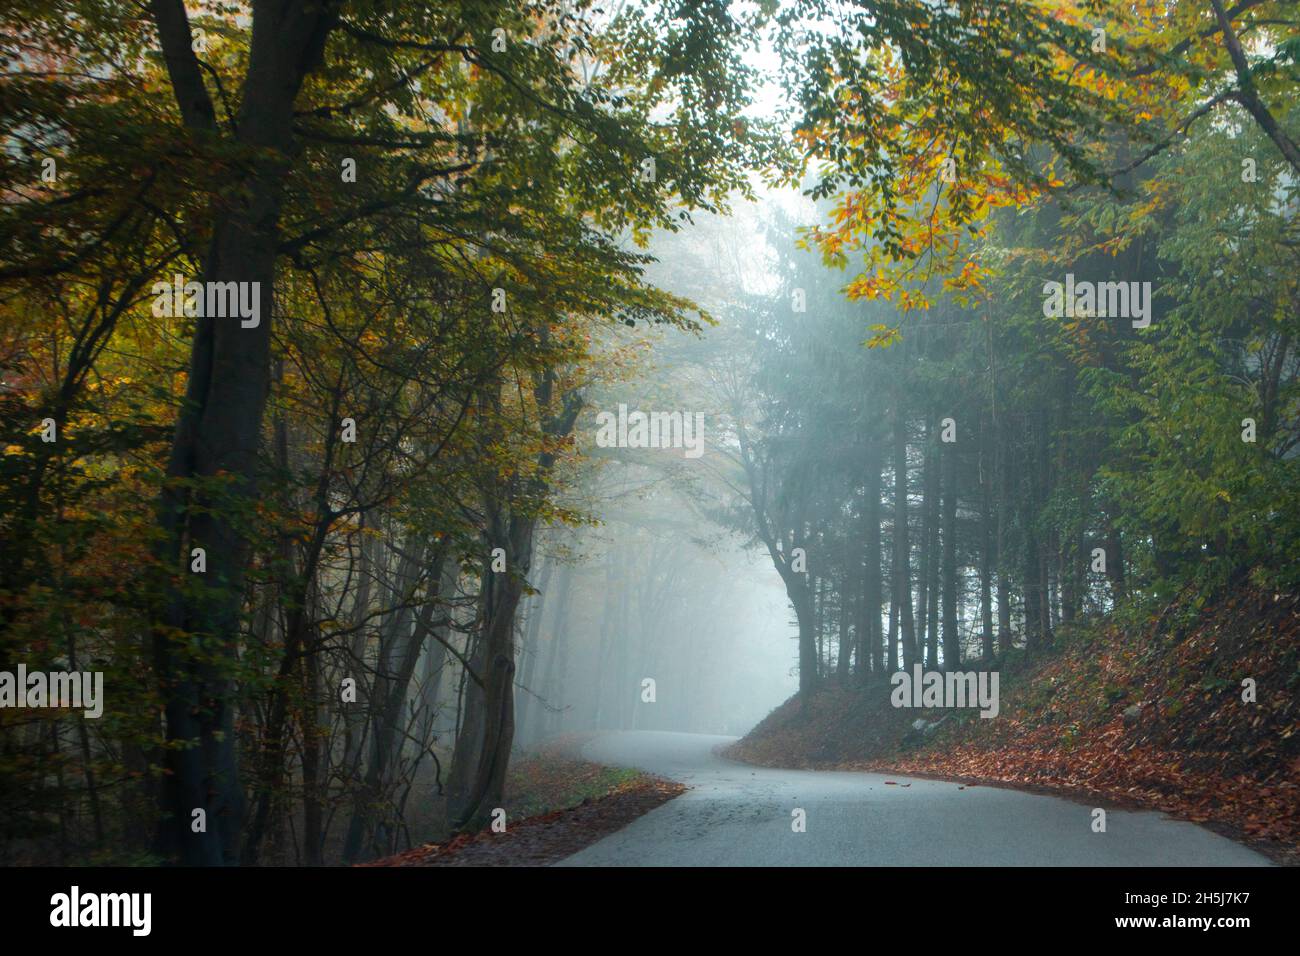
1194	749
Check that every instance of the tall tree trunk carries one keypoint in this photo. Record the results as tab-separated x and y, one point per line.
1115	563
531	646
607	636
819	615
1042	491
469	736
1003	468
986	551
433	664
354	722
1032	571
502	591
926	638
902	547
844	654
951	635
801	597
870	645
401	642
933	545
552	679
214	449
624	698
510	526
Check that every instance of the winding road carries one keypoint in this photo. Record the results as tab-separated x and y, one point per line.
740	815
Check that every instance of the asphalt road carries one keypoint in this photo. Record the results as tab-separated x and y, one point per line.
739	815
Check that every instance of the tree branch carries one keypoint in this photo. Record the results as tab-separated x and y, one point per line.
1248	96
197	111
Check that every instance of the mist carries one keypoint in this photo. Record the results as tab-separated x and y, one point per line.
661	609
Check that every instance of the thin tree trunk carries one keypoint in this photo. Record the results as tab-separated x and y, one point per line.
1042	489
951	636
401	642
926	638
986	555
844	654
469	735
531	648
902	548
550	692
1004	582
870	645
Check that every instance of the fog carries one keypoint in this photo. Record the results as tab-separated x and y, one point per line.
664	631
659	606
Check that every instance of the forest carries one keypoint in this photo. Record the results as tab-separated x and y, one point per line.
388	389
